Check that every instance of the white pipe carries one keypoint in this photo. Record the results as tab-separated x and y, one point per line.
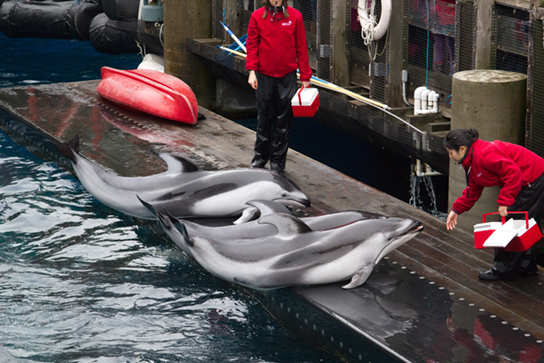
404	80
436	96
424	99
417	99
430	98
431	101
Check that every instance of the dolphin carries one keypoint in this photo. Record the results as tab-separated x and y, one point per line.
183	191
280	250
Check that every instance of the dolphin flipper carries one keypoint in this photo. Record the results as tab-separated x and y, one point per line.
360	276
286	224
265	207
247	215
178	164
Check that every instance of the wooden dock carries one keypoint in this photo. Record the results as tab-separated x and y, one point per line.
424	303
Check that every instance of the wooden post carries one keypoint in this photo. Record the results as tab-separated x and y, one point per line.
185	20
233	19
339	59
396	35
484	11
493	102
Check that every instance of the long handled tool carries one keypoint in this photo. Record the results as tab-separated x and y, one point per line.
233	36
320	82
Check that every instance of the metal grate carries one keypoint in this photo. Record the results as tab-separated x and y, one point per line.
431	52
308	9
324	36
248	6
512	39
535	82
359	59
218	7
465	34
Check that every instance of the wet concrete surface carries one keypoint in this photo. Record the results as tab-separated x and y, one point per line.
424	296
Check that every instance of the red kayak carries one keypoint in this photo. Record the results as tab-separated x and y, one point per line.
150	91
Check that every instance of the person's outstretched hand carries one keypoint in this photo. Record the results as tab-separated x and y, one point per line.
451	222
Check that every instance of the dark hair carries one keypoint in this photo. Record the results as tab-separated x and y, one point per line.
266	4
460	137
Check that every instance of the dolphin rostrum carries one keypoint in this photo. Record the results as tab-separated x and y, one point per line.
281	250
183	191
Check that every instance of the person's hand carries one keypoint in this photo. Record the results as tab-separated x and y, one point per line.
451	221
252	80
503	210
306	84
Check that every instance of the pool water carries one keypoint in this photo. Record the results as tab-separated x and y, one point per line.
80	282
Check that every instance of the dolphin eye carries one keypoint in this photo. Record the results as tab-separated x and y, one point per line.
284	194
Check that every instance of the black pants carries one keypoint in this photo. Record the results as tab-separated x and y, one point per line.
515	264
274	117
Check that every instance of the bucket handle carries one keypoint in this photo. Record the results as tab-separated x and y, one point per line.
299	98
503	219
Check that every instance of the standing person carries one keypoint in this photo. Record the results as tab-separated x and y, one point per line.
276	47
520	174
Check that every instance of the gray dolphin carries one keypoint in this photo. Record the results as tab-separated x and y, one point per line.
184	190
280	250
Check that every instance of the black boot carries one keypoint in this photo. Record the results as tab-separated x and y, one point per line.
488	275
277	167
258	163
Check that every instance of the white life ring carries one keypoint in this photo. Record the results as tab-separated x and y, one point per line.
370	29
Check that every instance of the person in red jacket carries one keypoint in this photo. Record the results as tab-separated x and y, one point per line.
276	47
520	174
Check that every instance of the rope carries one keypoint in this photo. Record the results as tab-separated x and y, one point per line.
143	51
160	32
368	25
427	56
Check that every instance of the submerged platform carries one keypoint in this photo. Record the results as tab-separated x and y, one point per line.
423	303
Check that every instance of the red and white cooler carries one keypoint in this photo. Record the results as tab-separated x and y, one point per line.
305	102
514	235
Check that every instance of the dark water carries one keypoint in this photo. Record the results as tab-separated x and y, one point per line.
82	283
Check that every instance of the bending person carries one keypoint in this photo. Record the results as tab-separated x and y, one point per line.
276	47
520	174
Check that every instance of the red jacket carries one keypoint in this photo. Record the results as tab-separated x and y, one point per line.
278	47
501	164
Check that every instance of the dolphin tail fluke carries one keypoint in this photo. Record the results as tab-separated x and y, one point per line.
360	277
69	149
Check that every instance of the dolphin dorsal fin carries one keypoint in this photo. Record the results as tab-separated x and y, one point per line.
178	164
267	207
183	231
74	143
286	224
69	149
148	206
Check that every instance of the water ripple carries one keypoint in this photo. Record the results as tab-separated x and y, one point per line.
80	282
